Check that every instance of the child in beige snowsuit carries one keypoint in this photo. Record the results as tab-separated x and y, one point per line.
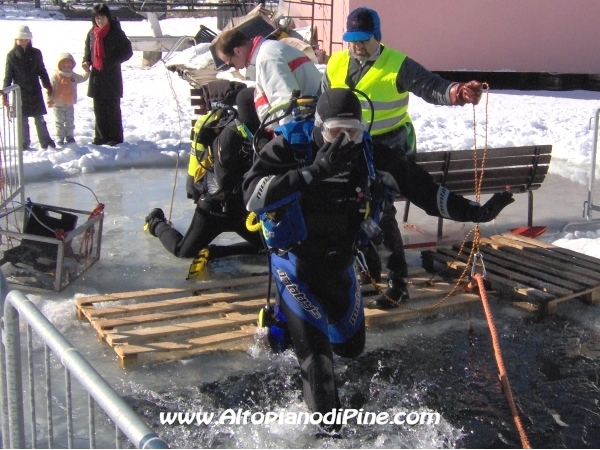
64	96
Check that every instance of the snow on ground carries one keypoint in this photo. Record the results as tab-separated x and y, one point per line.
157	113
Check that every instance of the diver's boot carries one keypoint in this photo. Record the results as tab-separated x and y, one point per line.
396	293
153	218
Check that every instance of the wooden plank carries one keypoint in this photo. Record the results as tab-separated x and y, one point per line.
117	296
503	151
379	317
437	167
535	267
127	350
497	283
105	324
182	328
564	251
92	313
148	293
490	163
532	277
547	259
591	296
491	152
561	254
198	77
507	175
499	270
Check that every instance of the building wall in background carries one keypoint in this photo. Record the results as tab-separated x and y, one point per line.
487	35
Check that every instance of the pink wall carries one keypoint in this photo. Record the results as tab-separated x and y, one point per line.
517	35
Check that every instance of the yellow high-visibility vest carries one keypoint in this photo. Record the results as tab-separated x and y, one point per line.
379	84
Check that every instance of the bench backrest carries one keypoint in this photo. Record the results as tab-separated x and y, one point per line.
518	168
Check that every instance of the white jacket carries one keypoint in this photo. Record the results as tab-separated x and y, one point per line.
279	69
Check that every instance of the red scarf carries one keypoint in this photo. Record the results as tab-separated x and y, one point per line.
99	53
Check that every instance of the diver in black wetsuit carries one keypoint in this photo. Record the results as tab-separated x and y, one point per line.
322	201
219	204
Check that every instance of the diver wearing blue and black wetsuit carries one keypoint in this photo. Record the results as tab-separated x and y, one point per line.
316	282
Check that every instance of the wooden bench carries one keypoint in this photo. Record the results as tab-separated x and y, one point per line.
519	169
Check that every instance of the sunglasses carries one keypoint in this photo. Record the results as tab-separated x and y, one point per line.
228	63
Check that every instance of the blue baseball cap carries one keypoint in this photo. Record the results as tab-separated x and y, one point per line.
362	23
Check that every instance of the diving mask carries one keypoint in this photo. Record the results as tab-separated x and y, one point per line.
352	129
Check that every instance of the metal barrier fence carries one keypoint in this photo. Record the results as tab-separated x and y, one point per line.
12	186
13	392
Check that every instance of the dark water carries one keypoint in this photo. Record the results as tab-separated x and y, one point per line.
442	364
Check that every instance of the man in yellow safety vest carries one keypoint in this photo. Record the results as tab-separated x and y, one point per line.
386	77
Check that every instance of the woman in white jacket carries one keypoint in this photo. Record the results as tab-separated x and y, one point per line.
64	96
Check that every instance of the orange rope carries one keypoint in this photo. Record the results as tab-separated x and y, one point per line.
500	361
479	279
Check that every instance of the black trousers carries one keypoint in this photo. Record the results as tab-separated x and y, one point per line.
109	124
206	225
392	239
401	140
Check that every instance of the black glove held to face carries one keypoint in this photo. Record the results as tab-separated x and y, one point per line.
332	158
492	207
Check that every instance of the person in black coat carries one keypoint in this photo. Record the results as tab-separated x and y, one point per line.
106	48
25	68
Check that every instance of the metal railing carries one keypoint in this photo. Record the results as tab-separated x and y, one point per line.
13	420
11	149
588	205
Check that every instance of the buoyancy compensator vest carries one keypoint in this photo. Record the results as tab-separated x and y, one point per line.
283	225
207	128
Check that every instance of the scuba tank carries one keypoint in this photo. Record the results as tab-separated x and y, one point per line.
201	160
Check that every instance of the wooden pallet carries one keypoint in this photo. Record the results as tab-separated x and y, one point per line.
203	317
536	275
169	323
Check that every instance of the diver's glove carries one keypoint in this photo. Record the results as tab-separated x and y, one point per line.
491	208
456	207
331	159
153	218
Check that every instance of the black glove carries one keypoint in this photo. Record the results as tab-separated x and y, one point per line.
153	218
492	207
333	158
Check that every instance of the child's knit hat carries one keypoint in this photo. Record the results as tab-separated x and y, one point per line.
23	33
64	56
